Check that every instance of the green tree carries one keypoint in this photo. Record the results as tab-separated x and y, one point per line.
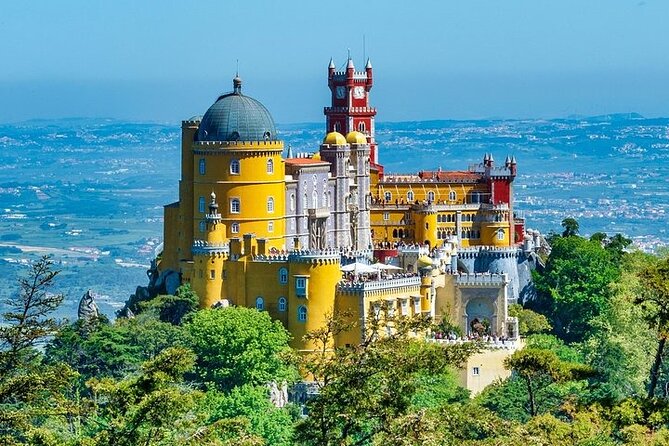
529	322
174	308
535	365
654	298
575	285
237	346
364	388
251	404
28	320
570	226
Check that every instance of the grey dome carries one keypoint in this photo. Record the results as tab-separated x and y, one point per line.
235	117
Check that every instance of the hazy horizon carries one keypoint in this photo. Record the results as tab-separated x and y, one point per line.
433	60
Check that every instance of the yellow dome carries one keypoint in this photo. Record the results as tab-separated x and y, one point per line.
424	261
316	156
335	138
356	138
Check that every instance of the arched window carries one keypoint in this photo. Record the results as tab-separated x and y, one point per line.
235	206
394	233
292	202
500	234
387	196
337	127
448	218
305	203
430	196
203	166
270	204
314	199
469	233
282	304
361	127
234	228
401	233
201	205
270	166
234	167
463	234
452	196
302	313
260	303
283	276
410	196
439	234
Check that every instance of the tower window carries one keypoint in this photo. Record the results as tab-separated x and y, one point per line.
234	228
302	313
270	204
212	274
361	127
410	196
500	234
234	167
203	166
337	127
452	196
235	206
270	166
270	226
260	303
282	304
202	226
292	202
201	205
301	286
283	276
387	196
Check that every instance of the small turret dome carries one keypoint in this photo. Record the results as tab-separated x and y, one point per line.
356	138
236	117
334	138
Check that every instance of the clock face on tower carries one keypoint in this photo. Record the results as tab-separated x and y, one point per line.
359	92
340	92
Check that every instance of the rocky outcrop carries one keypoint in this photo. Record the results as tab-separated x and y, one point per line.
88	310
160	282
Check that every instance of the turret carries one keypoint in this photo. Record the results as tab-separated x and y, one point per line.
512	166
368	70
331	68
350	72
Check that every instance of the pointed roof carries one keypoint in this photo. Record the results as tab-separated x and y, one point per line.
332	64
350	63
368	65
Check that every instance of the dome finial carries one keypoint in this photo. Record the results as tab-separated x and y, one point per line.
237	84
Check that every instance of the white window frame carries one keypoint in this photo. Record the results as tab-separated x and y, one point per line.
452	196
430	196
270	166
386	216
235	167
476	371
410	196
270	205
270	226
235	205
500	234
234	228
387	196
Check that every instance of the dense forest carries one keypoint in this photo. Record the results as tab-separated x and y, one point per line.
592	371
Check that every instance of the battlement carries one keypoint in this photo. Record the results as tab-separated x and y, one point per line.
481	279
350	110
497	171
207	248
492	251
391	285
271	144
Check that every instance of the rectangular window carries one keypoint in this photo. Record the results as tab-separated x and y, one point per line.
201	204
235	206
405	307
203	166
301	286
476	371
212	274
270	226
203	226
386	216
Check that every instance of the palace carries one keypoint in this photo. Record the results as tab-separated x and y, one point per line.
298	236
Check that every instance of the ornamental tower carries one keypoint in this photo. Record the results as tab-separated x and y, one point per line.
350	110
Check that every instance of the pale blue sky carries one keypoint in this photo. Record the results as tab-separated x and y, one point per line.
166	61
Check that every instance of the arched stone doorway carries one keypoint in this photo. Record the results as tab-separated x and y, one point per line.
481	311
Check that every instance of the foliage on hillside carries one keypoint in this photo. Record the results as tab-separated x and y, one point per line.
593	371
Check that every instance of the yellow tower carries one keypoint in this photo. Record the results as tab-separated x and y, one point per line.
209	254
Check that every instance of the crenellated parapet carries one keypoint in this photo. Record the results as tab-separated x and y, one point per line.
315	256
488	251
387	286
481	280
202	247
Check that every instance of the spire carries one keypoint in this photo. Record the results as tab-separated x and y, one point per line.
332	64
350	61
290	152
368	65
507	161
513	160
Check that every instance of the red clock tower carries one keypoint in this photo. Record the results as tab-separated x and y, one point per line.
350	108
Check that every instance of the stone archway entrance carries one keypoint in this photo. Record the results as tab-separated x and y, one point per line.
480	311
